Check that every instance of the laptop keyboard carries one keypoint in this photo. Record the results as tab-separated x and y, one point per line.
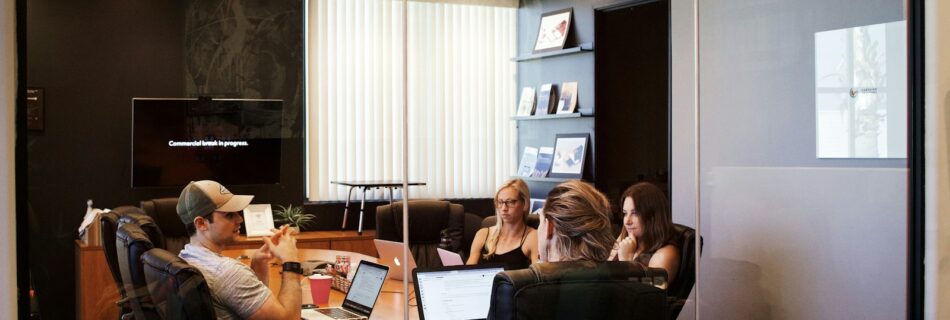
337	313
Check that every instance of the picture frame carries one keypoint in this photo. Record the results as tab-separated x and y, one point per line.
554	29
570	153
258	220
536	205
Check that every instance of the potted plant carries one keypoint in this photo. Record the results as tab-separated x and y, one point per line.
294	216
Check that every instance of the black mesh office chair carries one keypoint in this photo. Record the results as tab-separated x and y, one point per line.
178	290
131	242
579	290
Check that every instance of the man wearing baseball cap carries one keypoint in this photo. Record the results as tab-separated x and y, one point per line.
212	217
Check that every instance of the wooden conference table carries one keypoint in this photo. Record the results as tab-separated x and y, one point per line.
389	305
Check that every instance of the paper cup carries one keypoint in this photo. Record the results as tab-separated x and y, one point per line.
320	289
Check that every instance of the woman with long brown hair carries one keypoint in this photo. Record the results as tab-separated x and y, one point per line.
648	233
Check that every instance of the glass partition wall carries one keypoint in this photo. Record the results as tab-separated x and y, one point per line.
789	159
802	163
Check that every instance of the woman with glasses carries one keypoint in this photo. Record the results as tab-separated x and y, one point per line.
648	234
505	241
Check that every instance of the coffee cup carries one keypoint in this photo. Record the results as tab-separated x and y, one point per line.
320	289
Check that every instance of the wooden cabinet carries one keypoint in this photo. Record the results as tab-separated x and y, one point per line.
96	292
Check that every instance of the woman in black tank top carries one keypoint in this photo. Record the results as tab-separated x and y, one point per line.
648	234
507	242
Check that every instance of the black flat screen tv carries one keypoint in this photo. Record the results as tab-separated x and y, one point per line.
232	141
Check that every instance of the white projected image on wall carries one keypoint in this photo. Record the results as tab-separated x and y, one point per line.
861	92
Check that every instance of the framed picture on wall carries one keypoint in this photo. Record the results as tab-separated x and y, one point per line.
553	30
570	150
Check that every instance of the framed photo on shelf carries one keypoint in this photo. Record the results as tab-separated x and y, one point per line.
570	150
554	29
536	205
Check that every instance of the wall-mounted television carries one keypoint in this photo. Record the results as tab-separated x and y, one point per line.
232	141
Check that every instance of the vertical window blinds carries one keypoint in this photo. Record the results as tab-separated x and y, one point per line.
461	93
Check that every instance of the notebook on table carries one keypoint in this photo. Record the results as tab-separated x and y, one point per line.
358	304
390	254
457	292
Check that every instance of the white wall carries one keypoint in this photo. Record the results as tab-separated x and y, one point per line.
937	150
8	286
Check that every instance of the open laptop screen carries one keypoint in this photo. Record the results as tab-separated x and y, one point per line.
459	292
367	283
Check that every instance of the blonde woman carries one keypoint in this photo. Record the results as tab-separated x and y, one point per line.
575	224
507	242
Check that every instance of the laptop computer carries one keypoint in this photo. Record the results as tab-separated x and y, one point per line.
450	258
358	304
457	292
390	254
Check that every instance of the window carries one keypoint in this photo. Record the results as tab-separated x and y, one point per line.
461	87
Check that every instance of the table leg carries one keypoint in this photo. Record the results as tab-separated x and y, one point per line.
359	229
346	208
391	195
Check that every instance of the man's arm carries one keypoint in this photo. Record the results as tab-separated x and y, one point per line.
287	303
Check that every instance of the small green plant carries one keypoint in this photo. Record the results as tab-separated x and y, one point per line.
293	216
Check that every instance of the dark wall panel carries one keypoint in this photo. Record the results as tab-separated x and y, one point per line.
92	57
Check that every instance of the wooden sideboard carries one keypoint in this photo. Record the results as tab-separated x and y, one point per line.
96	292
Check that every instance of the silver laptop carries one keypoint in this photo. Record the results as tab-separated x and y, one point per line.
390	254
457	292
359	301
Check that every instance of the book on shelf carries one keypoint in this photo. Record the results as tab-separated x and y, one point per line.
545	160
568	101
547	99
528	159
526	106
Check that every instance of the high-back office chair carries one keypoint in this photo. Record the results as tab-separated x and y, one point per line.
686	274
178	290
427	218
138	216
131	242
579	290
163	212
108	223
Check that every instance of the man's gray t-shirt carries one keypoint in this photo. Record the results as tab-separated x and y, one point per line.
236	292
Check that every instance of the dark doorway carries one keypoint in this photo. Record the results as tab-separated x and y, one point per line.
632	71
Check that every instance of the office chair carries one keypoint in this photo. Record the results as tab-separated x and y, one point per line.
138	216
131	242
427	218
579	290
679	289
163	211
178	290
108	223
